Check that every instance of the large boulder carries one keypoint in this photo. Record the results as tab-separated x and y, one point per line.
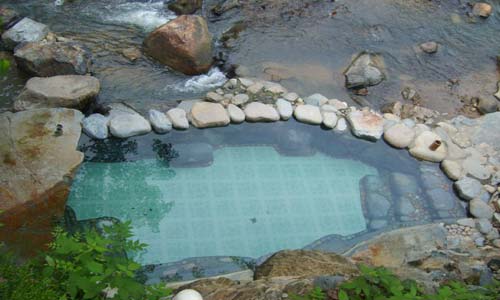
44	59
305	263
364	71
207	114
71	91
37	163
24	31
185	7
366	124
184	44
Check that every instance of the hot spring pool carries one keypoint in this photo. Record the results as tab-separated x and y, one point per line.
249	202
252	189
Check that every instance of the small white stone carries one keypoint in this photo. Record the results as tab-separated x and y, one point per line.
240	99
399	135
316	99
188	294
274	88
309	114
127	125
159	121
255	88
366	124
285	109
96	126
421	147
291	97
236	114
452	169
260	112
246	82
341	125
214	97
338	104
330	119
178	118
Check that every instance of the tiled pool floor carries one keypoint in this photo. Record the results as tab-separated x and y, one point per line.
250	201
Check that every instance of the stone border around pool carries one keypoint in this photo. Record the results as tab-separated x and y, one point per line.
471	162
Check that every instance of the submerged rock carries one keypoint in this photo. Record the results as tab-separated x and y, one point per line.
37	165
429	47
421	147
207	114
50	59
71	91
366	124
309	114
185	7
364	71
305	263
178	118
184	44
96	126
260	112
482	9
24	31
159	121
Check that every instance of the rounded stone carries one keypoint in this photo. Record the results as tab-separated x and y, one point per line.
366	124
468	188
96	126
479	209
452	169
285	109
178	118
399	135
159	121
330	119
240	99
429	47
487	105
341	125
207	114
309	114
482	9
188	294
127	125
316	99
235	114
421	147
260	112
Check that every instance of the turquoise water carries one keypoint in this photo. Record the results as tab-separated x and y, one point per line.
250	201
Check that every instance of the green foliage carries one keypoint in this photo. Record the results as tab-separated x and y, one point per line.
94	266
80	267
381	284
4	66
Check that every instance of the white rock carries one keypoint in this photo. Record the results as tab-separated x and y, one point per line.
316	99
285	109
341	125
329	108
255	88
420	148
391	117
452	169
214	97
329	119
186	105
246	82
178	118
274	88
291	97
207	114
235	114
24	31
188	294
480	210
399	135
127	125
338	104
366	124
259	112
409	122
468	188
159	121
240	99
309	114
96	126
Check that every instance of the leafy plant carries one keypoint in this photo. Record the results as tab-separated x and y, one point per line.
314	294
94	266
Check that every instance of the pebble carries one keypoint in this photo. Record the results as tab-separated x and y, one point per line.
159	121
178	118
452	169
291	97
188	294
240	99
260	112
246	82
316	99
429	47
285	109
479	209
214	97
341	125
484	226
236	114
468	188
399	135
482	9
255	88
309	114
487	105
329	119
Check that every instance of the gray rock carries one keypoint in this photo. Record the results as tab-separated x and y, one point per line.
235	114
366	125
468	188
488	131
484	226
127	125
214	97
24	31
246	82
487	105
159	121
364	71
50	59
377	205
71	91
399	135
469	222
493	234
452	169
255	88
378	224
292	97
240	99
274	88
341	125
259	112
479	241
285	109
206	114
479	209
186	105
472	166
178	118
316	99
96	126
309	114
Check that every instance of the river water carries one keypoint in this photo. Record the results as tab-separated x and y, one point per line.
304	44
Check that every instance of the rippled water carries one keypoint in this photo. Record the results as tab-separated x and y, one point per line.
306	44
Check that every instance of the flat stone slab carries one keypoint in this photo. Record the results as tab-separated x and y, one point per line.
70	91
24	31
207	114
366	125
260	112
37	162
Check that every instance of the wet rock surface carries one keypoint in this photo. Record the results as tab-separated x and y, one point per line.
26	30
364	71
